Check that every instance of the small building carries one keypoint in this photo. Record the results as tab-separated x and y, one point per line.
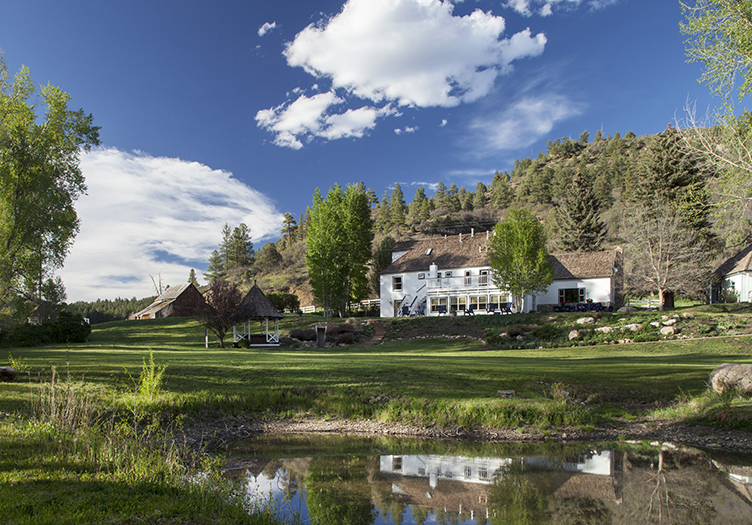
735	276
258	308
445	275
184	300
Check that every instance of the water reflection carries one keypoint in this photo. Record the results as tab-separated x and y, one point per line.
577	485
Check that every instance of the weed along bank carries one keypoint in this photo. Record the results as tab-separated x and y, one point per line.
452	275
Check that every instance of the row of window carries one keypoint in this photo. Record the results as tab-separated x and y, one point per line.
482	278
479	302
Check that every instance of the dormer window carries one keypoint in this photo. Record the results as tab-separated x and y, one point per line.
428	251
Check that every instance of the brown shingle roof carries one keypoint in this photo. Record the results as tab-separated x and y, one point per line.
450	253
741	262
258	305
446	253
585	265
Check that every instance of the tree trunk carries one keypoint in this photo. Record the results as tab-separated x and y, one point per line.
666	299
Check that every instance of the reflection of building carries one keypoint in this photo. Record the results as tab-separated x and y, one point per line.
463	484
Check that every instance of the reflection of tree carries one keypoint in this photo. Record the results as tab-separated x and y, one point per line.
672	488
288	482
519	498
338	492
419	514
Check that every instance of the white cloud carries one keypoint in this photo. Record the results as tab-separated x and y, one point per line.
443	123
545	7
309	117
408	129
148	215
403	52
523	123
268	26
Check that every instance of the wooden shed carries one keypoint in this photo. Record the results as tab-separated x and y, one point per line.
259	309
183	300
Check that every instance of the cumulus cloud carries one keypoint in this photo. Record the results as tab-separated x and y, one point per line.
268	26
522	123
147	215
408	129
412	53
309	117
546	7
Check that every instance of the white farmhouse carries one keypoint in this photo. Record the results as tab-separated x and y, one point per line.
735	275
451	275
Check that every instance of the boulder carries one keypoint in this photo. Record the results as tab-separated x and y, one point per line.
626	309
668	330
7	373
688	315
634	327
655	323
731	375
670	322
585	320
604	329
574	334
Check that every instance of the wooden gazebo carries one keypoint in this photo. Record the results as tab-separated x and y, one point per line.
258	308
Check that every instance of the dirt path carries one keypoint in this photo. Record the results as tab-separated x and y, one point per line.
215	434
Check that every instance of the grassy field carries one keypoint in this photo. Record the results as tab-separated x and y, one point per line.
415	376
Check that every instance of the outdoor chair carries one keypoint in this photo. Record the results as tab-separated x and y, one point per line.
442	309
405	311
491	308
470	310
422	310
505	308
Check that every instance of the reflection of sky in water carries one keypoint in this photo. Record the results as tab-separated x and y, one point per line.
260	488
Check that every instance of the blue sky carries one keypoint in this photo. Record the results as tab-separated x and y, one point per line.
230	111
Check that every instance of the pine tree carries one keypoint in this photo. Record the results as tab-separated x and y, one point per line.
578	218
216	269
398	207
288	228
192	277
479	199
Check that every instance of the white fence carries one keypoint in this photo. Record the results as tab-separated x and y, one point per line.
366	305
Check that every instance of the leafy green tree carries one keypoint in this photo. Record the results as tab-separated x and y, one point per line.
40	180
216	269
268	257
339	247
289	226
398	207
578	217
382	257
673	175
518	256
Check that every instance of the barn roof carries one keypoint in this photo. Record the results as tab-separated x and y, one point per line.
258	305
166	298
741	262
468	251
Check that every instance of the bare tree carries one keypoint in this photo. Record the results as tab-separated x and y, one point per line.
222	309
663	254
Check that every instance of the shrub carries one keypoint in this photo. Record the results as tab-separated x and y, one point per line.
303	334
546	332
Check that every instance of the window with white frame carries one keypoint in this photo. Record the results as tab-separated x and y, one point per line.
479	301
571	295
396	284
457	303
483	278
468	278
436	302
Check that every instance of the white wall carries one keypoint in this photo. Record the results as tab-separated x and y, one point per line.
599	290
410	284
742	283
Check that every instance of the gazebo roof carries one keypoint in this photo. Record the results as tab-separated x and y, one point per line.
258	305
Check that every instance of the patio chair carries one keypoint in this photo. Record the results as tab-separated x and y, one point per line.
405	311
442	309
422	310
491	308
470	310
506	308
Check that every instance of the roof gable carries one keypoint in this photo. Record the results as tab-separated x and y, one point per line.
741	262
258	306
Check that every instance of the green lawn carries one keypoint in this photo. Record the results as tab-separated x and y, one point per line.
110	466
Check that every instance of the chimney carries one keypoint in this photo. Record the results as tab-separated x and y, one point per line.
472	232
487	232
460	237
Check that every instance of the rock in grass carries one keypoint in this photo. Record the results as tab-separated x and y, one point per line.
634	327
585	320
730	376
604	329
668	330
574	334
7	373
506	393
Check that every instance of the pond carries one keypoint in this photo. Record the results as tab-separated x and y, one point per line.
325	480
